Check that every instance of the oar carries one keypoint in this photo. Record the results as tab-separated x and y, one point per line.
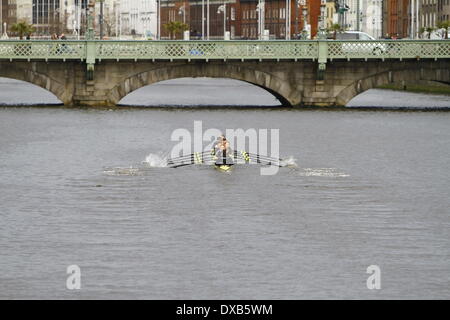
259	158
184	164
192	161
187	157
265	157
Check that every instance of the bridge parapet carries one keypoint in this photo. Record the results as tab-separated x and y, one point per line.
225	50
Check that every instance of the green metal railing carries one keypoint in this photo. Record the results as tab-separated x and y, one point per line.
18	50
91	51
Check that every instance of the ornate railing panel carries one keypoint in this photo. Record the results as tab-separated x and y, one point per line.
206	50
402	49
42	49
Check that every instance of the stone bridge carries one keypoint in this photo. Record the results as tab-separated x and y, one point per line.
298	73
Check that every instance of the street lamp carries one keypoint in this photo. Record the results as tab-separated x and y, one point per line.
90	20
322	31
159	20
2	24
260	9
207	19
223	9
5	34
288	19
78	18
182	11
101	19
305	17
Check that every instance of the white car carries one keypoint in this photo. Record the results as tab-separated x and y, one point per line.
354	47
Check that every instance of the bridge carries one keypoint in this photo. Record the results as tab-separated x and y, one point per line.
298	73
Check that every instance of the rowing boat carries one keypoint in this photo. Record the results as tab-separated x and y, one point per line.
223	167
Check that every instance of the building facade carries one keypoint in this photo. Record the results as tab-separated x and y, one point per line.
8	15
406	18
136	17
280	18
362	15
396	18
331	16
219	17
433	11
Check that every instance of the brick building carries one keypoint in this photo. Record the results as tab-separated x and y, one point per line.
190	12
241	18
275	18
396	18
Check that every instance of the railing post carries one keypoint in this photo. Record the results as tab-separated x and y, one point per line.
322	61
90	59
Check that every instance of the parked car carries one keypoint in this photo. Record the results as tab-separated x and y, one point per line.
353	35
373	47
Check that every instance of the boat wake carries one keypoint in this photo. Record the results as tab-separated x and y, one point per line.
122	171
323	172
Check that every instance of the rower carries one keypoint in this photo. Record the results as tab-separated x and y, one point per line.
224	152
217	143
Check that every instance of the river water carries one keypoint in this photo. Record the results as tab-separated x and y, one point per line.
370	188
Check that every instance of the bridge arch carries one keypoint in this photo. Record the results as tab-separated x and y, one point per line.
391	76
278	87
30	72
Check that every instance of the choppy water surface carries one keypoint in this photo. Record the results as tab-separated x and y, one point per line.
371	188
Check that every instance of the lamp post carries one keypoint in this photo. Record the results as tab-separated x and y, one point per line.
288	19
207	19
182	11
42	14
101	19
116	16
78	8
90	20
302	3
297	4
223	9
48	16
203	19
358	16
322	31
5	34
158	17
260	9
36	5
414	18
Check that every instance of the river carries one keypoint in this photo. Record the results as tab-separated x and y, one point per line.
77	188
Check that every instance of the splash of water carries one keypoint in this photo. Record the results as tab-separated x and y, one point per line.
156	160
289	162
